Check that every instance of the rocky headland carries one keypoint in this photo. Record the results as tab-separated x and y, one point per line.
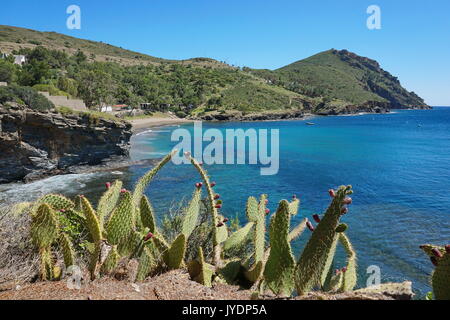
35	144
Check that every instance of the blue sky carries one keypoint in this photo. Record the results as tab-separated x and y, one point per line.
413	43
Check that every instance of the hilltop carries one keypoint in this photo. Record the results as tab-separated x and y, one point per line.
331	82
343	77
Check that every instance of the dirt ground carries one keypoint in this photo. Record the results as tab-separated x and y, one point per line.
174	285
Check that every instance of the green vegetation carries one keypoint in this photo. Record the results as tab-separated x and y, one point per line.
102	74
123	227
25	96
440	279
341	75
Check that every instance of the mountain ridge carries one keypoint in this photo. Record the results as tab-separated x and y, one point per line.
330	82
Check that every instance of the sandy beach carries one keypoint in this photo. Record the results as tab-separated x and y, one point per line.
139	124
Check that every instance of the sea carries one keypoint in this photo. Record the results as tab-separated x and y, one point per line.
397	163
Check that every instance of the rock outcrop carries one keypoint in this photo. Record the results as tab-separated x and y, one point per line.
233	115
35	144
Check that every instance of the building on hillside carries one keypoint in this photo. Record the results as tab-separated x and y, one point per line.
106	109
3	84
115	108
20	59
63	101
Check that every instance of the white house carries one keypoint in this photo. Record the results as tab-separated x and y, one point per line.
20	59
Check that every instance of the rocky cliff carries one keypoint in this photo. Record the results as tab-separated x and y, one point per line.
35	144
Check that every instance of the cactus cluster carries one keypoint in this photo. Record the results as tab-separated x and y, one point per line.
123	226
47	233
440	279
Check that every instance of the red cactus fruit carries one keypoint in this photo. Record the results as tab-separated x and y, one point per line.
310	226
267	211
123	191
337	271
344	210
108	185
199	185
220	224
294	197
434	261
213	184
225	220
332	193
437	253
62	210
148	236
217	196
347	200
218	206
447	248
82	196
344	269
266	201
316	218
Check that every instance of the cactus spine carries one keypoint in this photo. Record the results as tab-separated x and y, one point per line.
279	269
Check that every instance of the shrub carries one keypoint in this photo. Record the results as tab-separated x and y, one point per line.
30	97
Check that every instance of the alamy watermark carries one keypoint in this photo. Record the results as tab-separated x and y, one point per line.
74	20
374	20
237	146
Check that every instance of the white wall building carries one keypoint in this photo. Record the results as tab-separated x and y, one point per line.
20	59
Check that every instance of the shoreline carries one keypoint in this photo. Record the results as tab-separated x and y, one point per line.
146	123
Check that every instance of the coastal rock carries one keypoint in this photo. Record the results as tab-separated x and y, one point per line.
36	144
261	116
367	107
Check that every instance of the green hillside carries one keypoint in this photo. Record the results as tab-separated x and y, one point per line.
328	83
342	75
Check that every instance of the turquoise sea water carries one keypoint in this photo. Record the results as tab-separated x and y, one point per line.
398	164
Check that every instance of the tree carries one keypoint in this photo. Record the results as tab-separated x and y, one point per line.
95	87
7	71
34	72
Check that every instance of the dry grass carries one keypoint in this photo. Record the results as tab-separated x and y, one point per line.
19	262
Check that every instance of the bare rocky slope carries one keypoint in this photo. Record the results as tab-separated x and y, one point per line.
34	144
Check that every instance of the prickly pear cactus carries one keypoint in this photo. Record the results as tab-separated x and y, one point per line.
191	213
313	259
44	226
280	266
200	271
174	255
260	230
92	222
146	264
108	201
147	214
252	209
148	177
237	238
440	280
122	220
56	202
350	277
294	205
298	230
111	261
67	250
217	239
